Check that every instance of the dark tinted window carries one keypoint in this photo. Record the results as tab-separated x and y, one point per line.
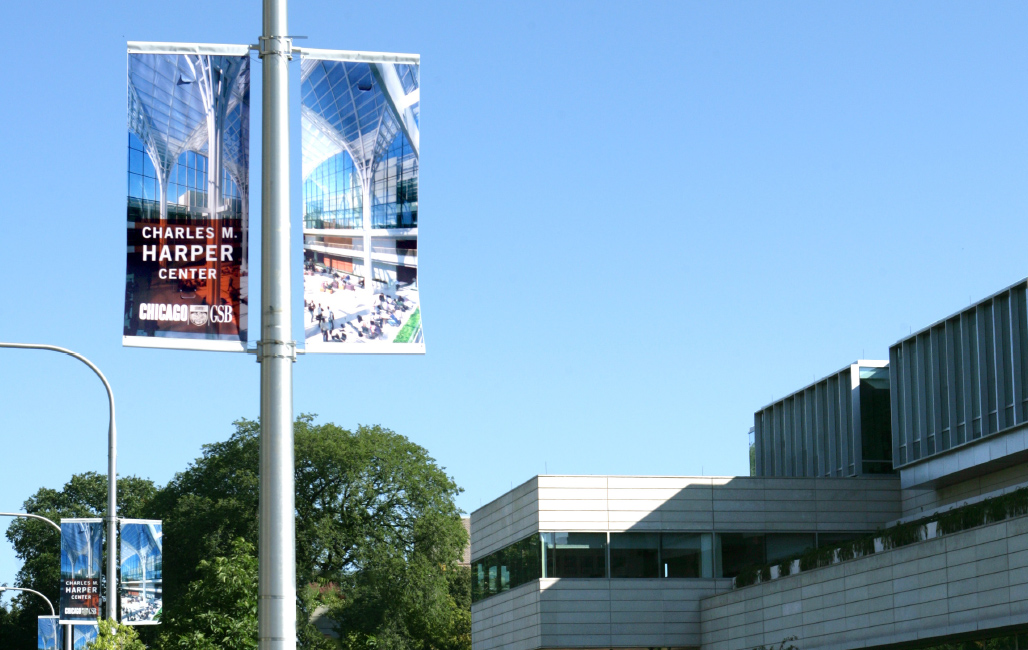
739	551
686	555
634	555
576	555
875	421
507	568
785	545
834	539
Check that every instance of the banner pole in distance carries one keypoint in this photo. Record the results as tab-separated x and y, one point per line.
112	473
276	350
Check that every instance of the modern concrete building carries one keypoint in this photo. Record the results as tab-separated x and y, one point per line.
889	509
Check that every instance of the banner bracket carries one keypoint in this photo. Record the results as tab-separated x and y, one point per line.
259	350
275	45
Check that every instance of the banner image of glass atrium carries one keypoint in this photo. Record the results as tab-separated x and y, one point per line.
142	572
188	191
360	125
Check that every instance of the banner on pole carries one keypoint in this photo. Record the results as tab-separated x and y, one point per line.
83	635
80	569
49	633
360	117
188	196
141	586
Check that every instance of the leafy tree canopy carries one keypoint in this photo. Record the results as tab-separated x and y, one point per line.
113	636
38	545
378	535
218	609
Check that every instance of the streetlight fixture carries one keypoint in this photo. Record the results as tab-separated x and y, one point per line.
112	475
31	591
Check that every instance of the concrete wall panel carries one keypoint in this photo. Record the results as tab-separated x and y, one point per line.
962	583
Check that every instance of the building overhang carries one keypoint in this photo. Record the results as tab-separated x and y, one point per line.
969	460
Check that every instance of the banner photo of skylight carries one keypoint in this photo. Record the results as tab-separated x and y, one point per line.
80	569
187	196
83	635
49	634
360	118
142	572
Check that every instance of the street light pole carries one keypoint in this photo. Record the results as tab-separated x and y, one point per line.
112	475
22	514
31	591
276	351
51	522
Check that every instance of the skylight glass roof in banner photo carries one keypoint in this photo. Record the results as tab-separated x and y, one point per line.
360	122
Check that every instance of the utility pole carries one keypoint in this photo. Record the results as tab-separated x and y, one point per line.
276	350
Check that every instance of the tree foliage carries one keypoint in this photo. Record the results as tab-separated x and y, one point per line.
219	608
375	518
113	636
378	542
38	545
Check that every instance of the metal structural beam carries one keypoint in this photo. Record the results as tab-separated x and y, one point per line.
112	475
399	102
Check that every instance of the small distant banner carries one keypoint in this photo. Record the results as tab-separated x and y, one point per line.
360	117
81	541
186	283
83	635
48	633
141	586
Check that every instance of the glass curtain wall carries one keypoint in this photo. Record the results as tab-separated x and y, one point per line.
332	195
637	555
634	555
187	188
395	187
875	421
687	555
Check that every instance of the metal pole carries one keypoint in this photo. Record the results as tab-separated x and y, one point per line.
112	474
21	514
31	591
276	351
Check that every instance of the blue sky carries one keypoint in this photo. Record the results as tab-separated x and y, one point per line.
638	225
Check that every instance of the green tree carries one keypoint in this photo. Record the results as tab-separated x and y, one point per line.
375	518
38	545
113	636
218	610
377	531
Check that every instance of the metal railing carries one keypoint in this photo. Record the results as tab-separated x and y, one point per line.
349	247
399	252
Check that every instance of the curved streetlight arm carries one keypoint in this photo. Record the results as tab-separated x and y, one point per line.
22	514
112	474
31	591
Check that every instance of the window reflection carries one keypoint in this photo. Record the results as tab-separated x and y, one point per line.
395	187
634	555
577	555
332	195
738	551
785	545
687	555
